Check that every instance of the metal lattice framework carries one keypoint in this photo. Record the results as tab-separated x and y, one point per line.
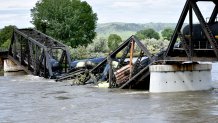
138	72
39	54
188	52
134	75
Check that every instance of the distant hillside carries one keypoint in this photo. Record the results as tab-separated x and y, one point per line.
125	30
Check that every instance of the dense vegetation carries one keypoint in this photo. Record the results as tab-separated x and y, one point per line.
81	52
167	33
102	46
5	36
113	41
147	34
71	21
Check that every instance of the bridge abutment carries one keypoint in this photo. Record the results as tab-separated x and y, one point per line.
176	78
10	66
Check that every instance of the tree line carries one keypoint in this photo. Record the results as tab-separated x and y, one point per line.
147	34
102	46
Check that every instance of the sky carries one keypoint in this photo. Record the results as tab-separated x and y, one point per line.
17	12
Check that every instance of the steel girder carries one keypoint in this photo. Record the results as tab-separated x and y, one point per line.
188	45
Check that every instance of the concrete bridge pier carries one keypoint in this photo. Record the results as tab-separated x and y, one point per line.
176	78
10	66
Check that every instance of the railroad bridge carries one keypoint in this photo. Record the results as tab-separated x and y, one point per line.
42	55
38	54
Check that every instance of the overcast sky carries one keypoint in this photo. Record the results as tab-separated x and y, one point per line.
17	12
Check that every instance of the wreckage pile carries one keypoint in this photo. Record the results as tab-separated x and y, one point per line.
124	72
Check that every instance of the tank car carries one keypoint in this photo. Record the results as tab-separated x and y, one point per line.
198	36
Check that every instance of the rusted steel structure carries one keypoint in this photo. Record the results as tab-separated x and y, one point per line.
39	54
198	42
122	73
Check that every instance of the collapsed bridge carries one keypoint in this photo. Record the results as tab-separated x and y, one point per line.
42	55
197	43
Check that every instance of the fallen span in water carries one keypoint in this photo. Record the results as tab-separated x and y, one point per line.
126	71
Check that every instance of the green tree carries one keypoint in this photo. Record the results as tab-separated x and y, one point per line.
167	33
71	21
5	36
147	34
6	44
113	41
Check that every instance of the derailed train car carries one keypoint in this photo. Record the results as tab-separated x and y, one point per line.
86	63
123	72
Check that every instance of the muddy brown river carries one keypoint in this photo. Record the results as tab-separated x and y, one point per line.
29	99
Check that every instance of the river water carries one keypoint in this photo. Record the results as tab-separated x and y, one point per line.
29	99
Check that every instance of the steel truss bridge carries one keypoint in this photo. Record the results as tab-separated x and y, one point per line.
39	54
188	51
42	55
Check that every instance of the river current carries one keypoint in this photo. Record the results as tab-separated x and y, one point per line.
31	99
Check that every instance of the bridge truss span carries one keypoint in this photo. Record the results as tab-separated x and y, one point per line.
38	53
197	42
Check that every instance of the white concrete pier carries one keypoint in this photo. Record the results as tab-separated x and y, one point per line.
175	78
10	66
